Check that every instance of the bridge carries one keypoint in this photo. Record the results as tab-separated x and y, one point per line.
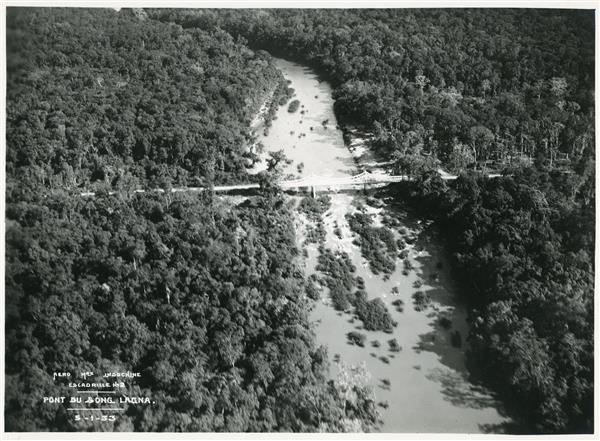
312	183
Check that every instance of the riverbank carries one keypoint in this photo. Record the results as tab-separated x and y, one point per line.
358	143
417	370
424	386
309	136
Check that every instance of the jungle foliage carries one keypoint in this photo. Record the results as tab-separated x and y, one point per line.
523	252
203	298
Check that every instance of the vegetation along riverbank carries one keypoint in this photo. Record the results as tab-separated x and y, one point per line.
426	306
513	102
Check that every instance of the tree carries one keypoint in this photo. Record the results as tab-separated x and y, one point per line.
481	138
460	157
276	160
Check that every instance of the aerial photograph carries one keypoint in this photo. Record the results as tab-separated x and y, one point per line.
299	220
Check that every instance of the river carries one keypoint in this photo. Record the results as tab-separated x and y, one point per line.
426	387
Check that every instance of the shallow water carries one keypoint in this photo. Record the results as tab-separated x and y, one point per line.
429	390
321	149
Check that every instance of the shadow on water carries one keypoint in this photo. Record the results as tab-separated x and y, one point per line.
448	315
420	381
507	427
457	390
327	136
438	341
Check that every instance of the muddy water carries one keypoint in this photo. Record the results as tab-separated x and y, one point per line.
304	137
428	387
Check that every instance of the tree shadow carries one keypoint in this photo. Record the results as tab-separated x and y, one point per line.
445	309
396	209
384	384
507	427
438	341
460	392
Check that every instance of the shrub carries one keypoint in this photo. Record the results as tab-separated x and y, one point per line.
357	338
387	237
421	300
389	221
338	269
312	291
394	345
339	297
374	315
374	202
399	304
293	106
314	208
377	245
316	233
360	296
337	232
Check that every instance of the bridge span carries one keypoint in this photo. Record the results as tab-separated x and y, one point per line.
312	183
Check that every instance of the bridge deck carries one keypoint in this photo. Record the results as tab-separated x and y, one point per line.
312	181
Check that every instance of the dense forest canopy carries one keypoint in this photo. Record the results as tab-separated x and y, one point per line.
204	299
509	90
523	250
462	84
95	98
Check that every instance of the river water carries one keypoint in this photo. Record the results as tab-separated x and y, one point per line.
426	387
